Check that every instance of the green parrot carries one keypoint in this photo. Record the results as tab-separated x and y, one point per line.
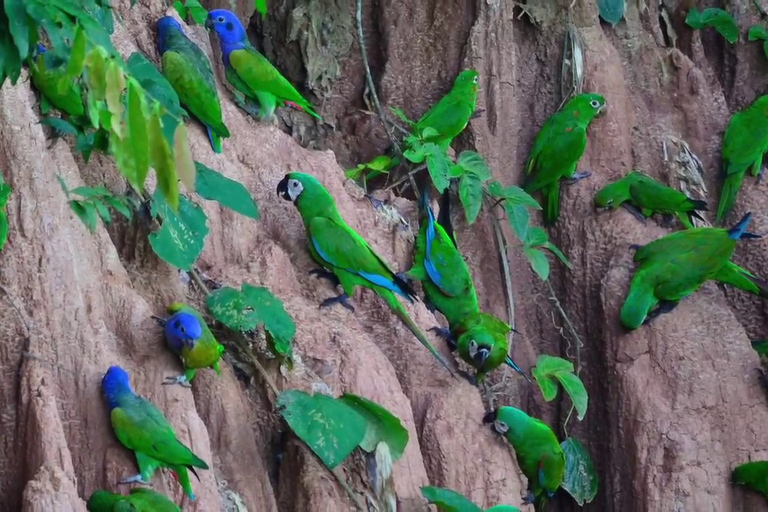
139	500
752	475
189	336
449	116
57	86
142	428
537	449
189	72
744	142
352	262
557	149
438	264
675	266
249	72
643	196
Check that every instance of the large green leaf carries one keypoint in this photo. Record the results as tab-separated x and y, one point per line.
228	306
181	238
538	261
5	193
719	19
471	195
229	193
154	84
19	25
580	479
472	162
519	218
382	426
269	311
512	195
448	500
503	508
548	368
330	427
438	165
753	475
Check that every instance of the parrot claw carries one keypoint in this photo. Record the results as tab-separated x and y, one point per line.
635	247
135	479
444	333
342	299
528	498
179	379
477	113
664	307
321	273
376	203
578	177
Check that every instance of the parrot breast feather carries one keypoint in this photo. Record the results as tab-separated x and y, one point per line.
444	264
557	156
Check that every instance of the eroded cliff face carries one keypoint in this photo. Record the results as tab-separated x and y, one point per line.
673	406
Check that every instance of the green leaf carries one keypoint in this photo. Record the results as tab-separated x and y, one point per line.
86	212
269	311
102	210
89	192
181	238
401	115
114	97
228	306
548	368
536	237
503	508
154	83
382	426
181	9
538	261
519	219
573	385
18	24
138	137
471	196
719	19
761	347
60	125
429	133
611	11
330	427
456	171
198	12
261	7
753	475
757	32
516	195
5	193
182	153
557	252
580	479
119	206
77	58
214	186
161	158
415	154
472	162
438	166
448	500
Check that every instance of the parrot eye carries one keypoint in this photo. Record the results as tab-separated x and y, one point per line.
500	427
474	80
594	104
472	348
183	330
220	19
295	188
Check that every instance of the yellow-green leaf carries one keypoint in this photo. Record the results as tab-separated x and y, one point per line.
115	85
138	138
96	64
161	158
77	57
185	164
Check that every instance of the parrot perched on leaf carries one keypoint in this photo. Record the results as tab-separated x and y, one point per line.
142	428
249	72
139	500
557	149
188	70
675	266
449	116
352	262
643	196
537	449
744	142
57	86
189	336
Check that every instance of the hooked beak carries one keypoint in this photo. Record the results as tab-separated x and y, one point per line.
482	356
282	188
209	23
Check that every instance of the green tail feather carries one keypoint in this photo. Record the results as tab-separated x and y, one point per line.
731	186
551	196
215	140
639	302
400	312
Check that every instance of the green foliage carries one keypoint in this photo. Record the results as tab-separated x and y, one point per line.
229	193
611	11
194	9
759	33
753	475
251	307
181	237
401	115
382	426
95	203
549	370
261	6
472	172
5	194
447	500
580	479
760	346
719	19
378	166
329	426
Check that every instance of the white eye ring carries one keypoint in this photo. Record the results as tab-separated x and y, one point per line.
500	427
472	348
220	19
594	103
474	80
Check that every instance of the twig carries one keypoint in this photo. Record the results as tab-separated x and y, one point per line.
369	77
199	281
501	246
405	178
394	124
571	328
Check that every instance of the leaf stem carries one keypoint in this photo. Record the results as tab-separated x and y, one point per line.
405	178
501	246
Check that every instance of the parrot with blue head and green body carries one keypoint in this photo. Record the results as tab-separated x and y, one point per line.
249	72
189	337
677	265
350	261
142	428
557	149
538	452
139	500
188	70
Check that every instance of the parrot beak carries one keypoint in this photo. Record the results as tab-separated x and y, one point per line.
482	356
282	188
490	417
209	23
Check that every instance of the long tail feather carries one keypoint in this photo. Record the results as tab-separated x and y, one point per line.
509	362
731	186
444	217
742	279
551	196
739	230
214	139
698	204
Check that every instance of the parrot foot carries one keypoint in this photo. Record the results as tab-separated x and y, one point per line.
342	299
667	221
321	273
179	379
664	307
430	307
135	479
404	277
578	177
635	247
477	113
529	498
376	203
634	211
445	334
159	320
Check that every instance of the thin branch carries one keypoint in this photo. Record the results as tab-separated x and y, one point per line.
501	246
394	123
199	281
369	77
571	328
407	177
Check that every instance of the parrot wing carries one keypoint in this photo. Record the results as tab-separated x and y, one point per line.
556	155
443	262
450	115
339	246
745	139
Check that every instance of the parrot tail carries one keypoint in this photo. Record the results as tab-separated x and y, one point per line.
215	140
638	303
509	362
739	231
400	312
444	217
551	195
183	477
742	279
698	204
731	186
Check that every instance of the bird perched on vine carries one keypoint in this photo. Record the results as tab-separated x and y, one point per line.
139	500
538	452
57	86
675	266
643	196
189	337
449	116
744	142
557	149
142	428
249	72
188	70
350	261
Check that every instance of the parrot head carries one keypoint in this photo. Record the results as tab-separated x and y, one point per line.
478	353
498	426
467	78
183	326
586	106
163	26
103	500
115	383
226	25
611	195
